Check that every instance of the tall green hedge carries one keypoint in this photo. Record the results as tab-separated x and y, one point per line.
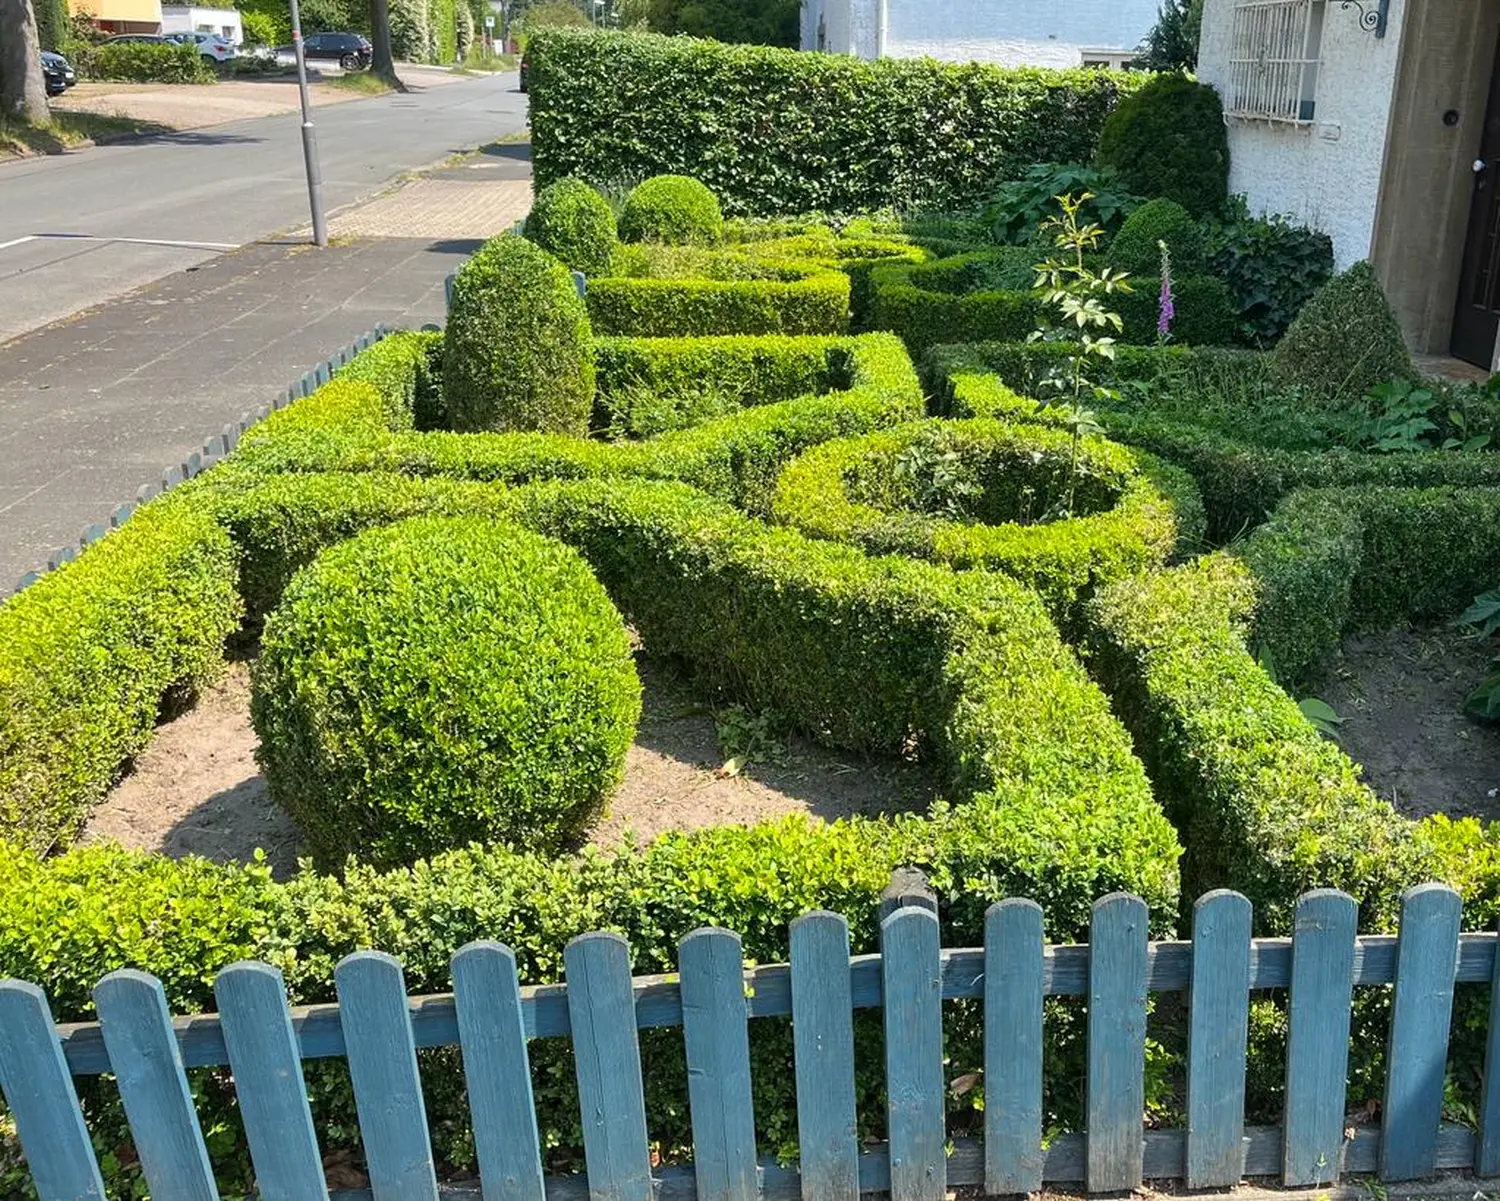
786	131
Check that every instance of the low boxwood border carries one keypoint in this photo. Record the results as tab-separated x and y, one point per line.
1334	561
674	308
1154	508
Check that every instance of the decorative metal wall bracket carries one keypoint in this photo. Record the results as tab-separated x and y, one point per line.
1373	14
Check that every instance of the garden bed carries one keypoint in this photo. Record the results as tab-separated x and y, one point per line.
196	790
1400	695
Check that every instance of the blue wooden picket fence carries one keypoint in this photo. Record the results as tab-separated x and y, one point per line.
377	1028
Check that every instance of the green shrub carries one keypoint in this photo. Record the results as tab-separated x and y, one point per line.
677	308
1334	561
403	367
1020	206
1206	313
440	682
573	222
51	23
984	494
1265	804
675	209
1167	140
1135	248
517	353
1345	341
145	62
1272	268
88	652
779	131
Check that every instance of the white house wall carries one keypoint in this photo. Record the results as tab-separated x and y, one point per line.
1044	33
1327	174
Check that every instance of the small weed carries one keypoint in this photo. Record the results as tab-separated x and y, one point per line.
1483	618
746	738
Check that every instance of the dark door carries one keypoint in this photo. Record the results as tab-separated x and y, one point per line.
1477	317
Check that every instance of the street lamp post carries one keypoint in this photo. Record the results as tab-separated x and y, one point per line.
309	138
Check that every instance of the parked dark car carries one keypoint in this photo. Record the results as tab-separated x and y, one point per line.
352	51
57	73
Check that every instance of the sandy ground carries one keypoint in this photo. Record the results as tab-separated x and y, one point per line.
1401	695
196	106
196	789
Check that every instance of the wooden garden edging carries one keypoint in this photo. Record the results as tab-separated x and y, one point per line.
378	1029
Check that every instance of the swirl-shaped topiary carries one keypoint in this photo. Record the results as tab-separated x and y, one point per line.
518	350
676	209
573	222
984	493
443	681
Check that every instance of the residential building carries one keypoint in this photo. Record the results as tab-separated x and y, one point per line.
183	18
121	16
1377	121
1039	33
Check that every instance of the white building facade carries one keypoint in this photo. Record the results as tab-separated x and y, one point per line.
183	18
1014	33
1378	122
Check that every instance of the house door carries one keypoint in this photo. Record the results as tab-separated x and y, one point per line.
1477	317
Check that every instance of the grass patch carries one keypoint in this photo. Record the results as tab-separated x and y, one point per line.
366	83
66	130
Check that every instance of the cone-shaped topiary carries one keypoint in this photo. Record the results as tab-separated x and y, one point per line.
1344	341
518	352
1168	140
573	222
443	681
1136	250
676	209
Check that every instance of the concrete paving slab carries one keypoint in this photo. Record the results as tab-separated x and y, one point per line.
94	407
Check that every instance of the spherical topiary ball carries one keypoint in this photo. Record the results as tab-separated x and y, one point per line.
573	222
443	681
518	352
1137	248
675	209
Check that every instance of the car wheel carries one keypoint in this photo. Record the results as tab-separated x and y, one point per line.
350	62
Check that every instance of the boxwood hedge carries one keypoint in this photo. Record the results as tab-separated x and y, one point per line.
442	681
818	303
88	652
1130	510
782	131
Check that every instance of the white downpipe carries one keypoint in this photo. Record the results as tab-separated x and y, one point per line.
882	22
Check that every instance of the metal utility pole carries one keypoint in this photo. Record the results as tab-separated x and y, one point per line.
309	138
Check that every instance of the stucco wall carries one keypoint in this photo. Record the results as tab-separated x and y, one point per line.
1327	174
1048	33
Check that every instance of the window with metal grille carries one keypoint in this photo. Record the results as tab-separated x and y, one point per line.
1273	60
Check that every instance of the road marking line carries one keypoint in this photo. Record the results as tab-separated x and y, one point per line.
130	241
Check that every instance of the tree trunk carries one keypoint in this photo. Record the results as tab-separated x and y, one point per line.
23	95
382	64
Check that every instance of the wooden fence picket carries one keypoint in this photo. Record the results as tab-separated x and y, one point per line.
1487	1156
823	1044
39	1090
1417	1059
607	1060
143	1053
497	1070
1013	956
1218	1031
1317	1045
1118	937
267	1067
716	1037
383	1069
912	988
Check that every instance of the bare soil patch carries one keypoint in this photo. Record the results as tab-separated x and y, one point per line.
1401	695
197	791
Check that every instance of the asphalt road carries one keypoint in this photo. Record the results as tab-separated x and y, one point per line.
80	229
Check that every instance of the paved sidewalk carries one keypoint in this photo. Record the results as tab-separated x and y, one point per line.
93	407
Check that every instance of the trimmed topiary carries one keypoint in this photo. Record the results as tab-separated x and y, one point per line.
443	681
1136	250
518	350
573	222
676	209
1168	140
1345	340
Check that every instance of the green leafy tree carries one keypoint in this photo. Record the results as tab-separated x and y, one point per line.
765	22
1172	44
